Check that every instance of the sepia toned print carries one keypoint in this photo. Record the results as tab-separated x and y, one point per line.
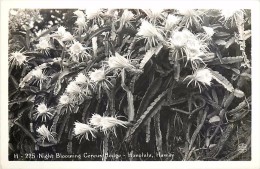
129	85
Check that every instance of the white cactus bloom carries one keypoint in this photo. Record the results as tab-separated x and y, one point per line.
42	108
186	12
97	75
73	88
67	37
63	35
81	22
201	76
228	13
61	30
119	61
204	76
81	79
147	30
64	99
171	21
126	16
178	39
190	17
194	50
80	14
95	120
43	111
193	46
76	48
38	73
209	31
18	58
45	133
232	15
106	123
184	42
43	44
77	51
82	130
92	13
110	12
153	13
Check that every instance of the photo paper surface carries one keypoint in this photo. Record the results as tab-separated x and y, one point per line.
129	84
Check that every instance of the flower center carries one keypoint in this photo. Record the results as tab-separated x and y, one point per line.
76	48
43	44
42	108
97	75
64	99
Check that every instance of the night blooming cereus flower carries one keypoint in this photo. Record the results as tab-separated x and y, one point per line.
97	75
232	15
190	17
64	99
73	88
61	31
98	79
93	13
194	50
171	21
77	51
80	22
206	36
36	75
184	42
153	14
39	76
78	88
62	35
126	17
201	76
17	58
178	42
209	31
68	101
119	62
44	45
106	123
81	79
45	133
80	14
43	111
150	33
82	130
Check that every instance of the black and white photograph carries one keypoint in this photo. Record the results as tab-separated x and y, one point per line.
129	84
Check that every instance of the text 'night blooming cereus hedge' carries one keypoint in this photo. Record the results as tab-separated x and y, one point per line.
129	84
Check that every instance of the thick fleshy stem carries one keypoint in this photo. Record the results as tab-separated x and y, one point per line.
130	97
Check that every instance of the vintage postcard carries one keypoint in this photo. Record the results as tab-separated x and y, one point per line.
96	82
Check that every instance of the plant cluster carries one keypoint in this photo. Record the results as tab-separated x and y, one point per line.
130	81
